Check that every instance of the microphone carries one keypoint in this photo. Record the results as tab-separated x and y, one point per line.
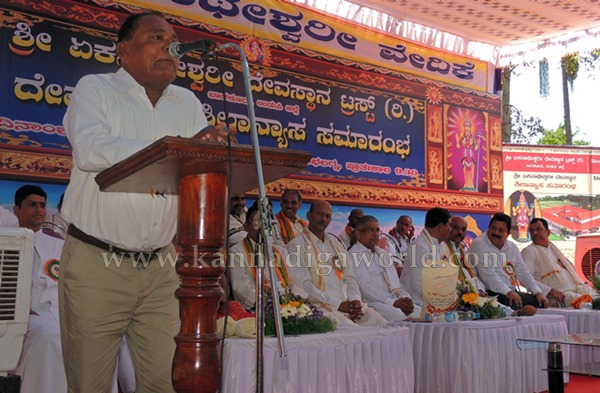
204	46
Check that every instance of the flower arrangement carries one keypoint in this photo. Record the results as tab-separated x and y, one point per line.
297	315
484	307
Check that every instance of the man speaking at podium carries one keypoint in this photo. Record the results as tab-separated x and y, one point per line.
110	117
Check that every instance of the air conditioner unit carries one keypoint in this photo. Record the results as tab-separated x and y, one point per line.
587	255
16	266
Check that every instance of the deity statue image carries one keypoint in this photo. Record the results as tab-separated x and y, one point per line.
435	166
435	126
468	143
523	212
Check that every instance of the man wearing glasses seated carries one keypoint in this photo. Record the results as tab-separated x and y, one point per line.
377	278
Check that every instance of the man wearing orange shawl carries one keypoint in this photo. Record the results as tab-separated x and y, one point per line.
289	223
319	264
242	263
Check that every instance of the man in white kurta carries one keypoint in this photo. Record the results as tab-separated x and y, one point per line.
288	221
403	232
554	273
377	277
347	236
427	248
499	265
319	265
41	363
41	366
458	232
237	219
242	270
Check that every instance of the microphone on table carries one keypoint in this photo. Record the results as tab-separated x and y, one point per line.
204	46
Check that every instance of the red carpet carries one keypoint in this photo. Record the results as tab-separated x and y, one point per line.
582	384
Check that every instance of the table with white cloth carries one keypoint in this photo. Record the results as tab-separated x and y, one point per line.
352	360
482	355
579	321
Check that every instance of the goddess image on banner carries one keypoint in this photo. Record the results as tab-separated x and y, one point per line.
522	207
467	149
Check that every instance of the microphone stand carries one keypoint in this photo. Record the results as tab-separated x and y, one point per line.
266	232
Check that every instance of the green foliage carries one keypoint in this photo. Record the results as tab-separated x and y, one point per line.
595	282
300	326
570	64
470	300
559	137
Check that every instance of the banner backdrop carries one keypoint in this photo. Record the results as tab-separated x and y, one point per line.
378	136
560	184
291	24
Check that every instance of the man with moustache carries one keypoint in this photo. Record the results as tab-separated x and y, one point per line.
377	278
41	363
455	242
288	221
110	117
319	265
403	232
499	265
554	273
428	248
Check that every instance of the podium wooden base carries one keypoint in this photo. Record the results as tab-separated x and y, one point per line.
198	172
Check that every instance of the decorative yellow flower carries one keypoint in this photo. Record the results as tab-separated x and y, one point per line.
287	311
470	297
294	303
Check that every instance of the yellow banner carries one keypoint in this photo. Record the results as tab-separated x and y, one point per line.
293	25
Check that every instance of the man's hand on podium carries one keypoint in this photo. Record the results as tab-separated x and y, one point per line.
217	133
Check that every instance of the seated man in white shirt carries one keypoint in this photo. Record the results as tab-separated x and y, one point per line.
347	237
377	278
499	265
429	247
320	265
41	364
554	273
404	233
290	224
458	248
237	219
242	269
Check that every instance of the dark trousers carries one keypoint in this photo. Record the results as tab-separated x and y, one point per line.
527	298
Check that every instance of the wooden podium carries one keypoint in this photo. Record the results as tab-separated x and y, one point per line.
198	171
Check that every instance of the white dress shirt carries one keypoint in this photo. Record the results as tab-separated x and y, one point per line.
378	281
489	262
110	118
